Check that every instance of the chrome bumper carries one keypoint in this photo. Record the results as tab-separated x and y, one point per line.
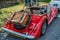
18	34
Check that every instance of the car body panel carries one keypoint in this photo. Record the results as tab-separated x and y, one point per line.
53	14
34	26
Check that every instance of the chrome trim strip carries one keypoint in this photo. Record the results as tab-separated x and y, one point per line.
18	34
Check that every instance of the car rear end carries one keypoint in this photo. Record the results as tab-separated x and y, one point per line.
32	31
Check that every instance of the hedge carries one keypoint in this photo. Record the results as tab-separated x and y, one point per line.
47	0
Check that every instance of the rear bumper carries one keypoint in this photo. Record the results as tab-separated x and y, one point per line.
18	34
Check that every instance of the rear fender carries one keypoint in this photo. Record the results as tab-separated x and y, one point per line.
39	26
53	14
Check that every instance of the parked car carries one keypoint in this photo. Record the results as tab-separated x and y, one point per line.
55	3
36	27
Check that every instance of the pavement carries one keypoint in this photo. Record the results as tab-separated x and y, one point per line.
52	33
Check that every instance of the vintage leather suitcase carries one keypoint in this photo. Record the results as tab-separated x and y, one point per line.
19	18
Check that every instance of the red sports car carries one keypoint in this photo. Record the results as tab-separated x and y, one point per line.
36	27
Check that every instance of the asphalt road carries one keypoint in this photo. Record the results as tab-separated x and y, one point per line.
52	33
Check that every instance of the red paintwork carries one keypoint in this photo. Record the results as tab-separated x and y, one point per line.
35	25
53	14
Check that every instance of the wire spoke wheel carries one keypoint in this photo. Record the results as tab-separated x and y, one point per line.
44	27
